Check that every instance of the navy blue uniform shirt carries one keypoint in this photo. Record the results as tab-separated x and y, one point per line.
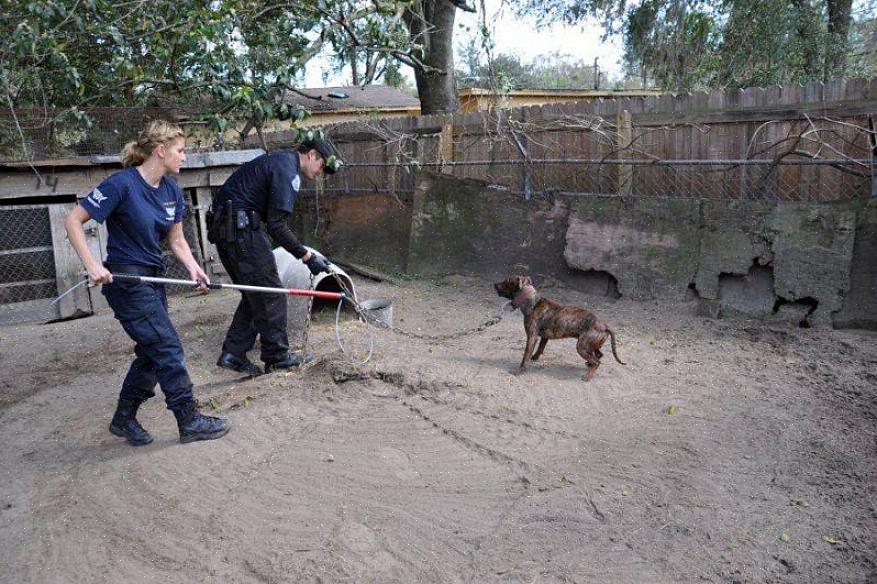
270	181
138	216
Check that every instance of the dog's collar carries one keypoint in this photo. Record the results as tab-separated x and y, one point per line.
526	294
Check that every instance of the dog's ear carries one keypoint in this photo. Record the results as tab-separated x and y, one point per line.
526	281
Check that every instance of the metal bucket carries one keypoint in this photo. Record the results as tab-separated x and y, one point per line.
378	311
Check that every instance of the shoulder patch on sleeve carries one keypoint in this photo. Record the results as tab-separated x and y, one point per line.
296	183
96	197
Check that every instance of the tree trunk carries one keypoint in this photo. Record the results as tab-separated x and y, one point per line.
354	69
434	30
839	20
806	23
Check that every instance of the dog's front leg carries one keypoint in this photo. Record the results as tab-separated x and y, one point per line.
542	342
528	350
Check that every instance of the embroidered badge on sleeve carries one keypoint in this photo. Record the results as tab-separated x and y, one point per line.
96	197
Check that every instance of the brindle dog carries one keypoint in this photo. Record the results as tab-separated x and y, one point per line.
546	319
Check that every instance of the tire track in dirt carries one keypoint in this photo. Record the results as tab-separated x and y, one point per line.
581	514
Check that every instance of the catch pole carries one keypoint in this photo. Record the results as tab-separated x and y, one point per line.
217	286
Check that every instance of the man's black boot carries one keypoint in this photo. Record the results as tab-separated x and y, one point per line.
125	424
242	364
290	361
194	425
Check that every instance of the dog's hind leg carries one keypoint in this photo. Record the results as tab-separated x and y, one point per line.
588	346
542	342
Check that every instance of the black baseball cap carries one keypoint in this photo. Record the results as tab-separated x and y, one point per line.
327	150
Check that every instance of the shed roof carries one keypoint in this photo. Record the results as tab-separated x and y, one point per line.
368	97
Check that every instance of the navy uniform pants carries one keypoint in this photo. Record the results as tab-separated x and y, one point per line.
250	261
142	310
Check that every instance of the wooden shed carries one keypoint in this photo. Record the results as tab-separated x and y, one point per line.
37	262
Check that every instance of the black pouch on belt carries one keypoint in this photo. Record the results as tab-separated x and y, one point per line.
229	222
211	228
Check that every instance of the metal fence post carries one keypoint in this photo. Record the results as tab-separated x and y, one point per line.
872	138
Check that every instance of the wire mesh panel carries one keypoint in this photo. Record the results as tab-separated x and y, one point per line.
770	180
27	264
28	270
190	230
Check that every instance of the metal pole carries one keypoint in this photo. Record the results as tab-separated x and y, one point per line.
216	286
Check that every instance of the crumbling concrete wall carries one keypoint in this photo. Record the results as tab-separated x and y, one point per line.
807	263
733	238
813	251
646	244
804	248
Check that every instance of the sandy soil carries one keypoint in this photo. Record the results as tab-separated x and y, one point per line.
725	451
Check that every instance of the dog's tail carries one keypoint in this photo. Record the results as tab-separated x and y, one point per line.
612	340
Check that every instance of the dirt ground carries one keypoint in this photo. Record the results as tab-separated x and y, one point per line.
724	451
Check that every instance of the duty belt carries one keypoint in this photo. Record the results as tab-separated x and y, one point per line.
226	221
135	270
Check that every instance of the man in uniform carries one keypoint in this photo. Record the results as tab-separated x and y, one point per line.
263	192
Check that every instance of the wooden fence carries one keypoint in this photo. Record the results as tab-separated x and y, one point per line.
813	142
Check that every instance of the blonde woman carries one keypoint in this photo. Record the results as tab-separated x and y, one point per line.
142	206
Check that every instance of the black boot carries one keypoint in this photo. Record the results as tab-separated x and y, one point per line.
242	364
125	424
194	425
290	361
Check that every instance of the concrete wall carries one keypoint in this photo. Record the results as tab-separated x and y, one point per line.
808	263
461	226
860	303
646	244
368	229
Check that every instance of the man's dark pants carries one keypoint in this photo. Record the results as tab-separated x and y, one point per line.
250	261
141	308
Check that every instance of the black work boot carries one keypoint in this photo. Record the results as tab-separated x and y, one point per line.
125	424
242	364
290	361
194	425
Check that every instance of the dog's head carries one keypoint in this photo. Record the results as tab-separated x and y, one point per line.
510	287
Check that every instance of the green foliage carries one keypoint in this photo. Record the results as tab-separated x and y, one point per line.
393	75
673	45
549	71
228	57
696	44
362	34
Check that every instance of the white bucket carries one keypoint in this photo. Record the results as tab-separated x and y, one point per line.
378	311
295	274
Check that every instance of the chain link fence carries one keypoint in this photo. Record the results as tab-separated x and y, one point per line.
765	180
27	264
765	153
29	274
